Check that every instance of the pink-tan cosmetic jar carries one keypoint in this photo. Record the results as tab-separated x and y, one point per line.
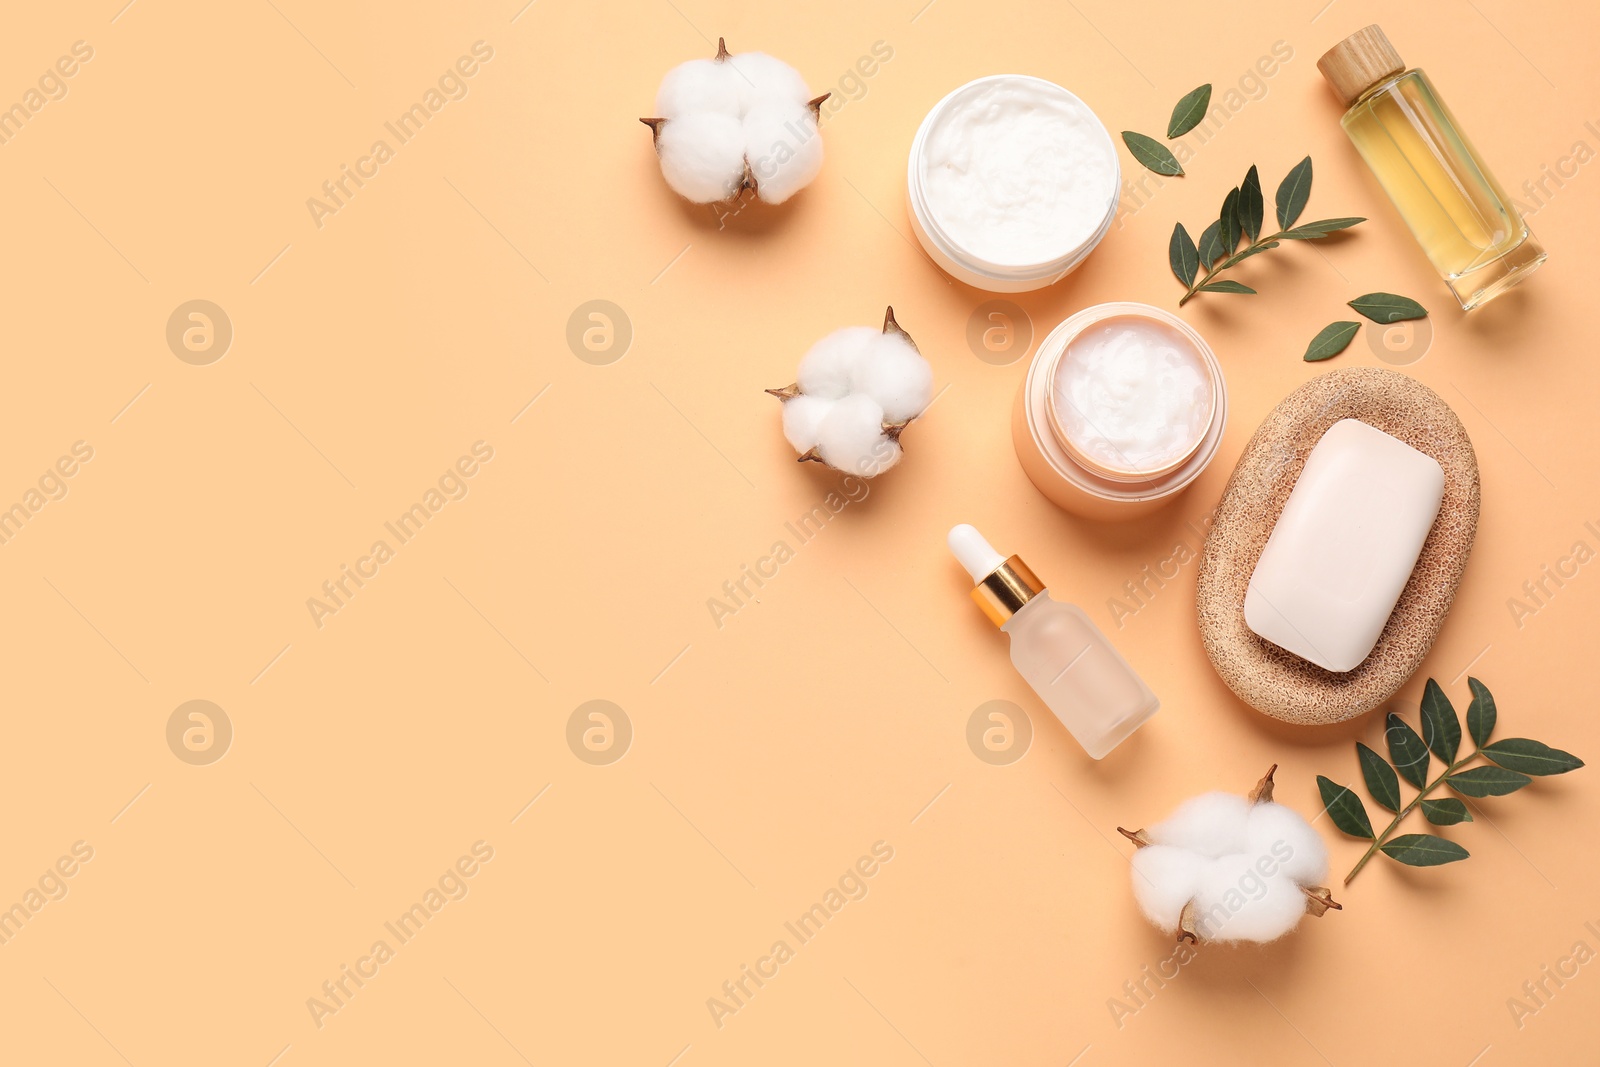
1121	410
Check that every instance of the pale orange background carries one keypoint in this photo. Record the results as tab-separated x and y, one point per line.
770	753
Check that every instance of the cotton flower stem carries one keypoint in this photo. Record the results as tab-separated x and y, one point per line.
1319	900
892	327
1189	924
1262	793
1378	841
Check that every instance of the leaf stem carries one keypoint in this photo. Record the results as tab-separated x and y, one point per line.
1217	268
1378	841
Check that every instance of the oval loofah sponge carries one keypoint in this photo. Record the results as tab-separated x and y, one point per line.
1279	683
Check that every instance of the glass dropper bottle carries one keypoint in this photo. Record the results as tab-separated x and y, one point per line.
1056	648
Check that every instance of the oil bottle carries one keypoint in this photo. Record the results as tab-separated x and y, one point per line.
1456	209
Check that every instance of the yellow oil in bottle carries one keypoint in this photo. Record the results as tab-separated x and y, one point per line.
1437	181
1452	203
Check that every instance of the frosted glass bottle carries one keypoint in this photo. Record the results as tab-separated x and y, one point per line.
1057	649
1459	214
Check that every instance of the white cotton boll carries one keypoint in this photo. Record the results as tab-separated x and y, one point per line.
1296	848
1236	902
833	413
896	376
802	420
784	148
699	86
1212	824
826	370
702	156
851	437
1164	880
767	77
779	141
1253	868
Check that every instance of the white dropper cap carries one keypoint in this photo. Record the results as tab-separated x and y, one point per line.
973	552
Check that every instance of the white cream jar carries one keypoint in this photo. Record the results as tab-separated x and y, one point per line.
1012	181
1122	408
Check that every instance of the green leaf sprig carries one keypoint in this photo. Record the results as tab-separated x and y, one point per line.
1241	219
1512	764
1156	157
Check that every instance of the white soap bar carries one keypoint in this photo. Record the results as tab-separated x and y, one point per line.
1344	546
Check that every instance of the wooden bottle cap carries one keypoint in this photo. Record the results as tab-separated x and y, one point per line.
1359	62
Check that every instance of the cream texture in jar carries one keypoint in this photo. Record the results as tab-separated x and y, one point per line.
1017	171
1132	396
1122	408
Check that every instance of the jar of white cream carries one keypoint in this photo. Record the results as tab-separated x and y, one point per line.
1012	182
1122	408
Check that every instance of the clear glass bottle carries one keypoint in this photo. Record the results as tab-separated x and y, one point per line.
1458	212
1057	649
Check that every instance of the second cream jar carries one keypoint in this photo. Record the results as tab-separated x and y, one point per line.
1122	409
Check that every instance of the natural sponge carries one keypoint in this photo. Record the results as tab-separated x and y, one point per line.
855	393
1230	868
736	122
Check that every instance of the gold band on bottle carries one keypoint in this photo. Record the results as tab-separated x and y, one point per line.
1004	590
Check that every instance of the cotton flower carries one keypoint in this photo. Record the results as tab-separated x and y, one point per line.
856	391
736	122
1230	868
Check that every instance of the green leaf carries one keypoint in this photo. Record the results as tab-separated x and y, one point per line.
1183	256
1384	308
1423	850
1253	250
1381	780
1189	111
1531	757
1333	339
1345	808
1327	226
1251	207
1440	727
1293	193
1446	811
1406	749
1210	245
1481	713
1487	782
1152	154
1228	219
1226	287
